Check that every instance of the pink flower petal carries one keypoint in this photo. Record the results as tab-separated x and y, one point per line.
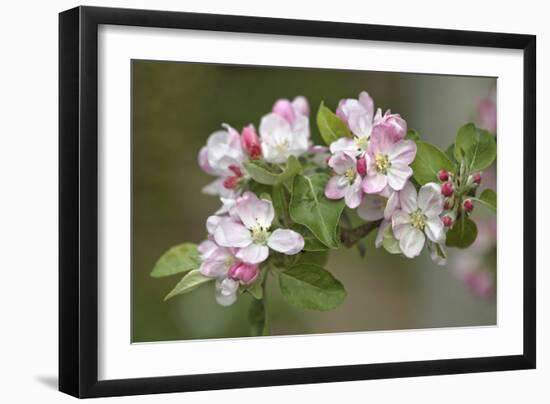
213	268
398	175
254	211
407	198
334	189
253	254
286	241
374	183
354	193
231	234
300	105
402	152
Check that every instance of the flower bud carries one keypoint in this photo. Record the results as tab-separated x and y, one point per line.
477	178
285	110
243	272
236	170
448	203
250	142
392	126
231	182
447	220
443	175
447	189
362	166
467	205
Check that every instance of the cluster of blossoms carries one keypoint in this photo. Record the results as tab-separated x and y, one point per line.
372	173
410	191
240	234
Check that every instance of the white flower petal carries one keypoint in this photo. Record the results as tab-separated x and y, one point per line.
434	229
231	234
398	174
400	223
430	200
380	234
372	208
253	254
286	241
412	242
407	198
354	193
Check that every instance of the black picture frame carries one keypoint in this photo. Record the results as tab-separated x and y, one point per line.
78	201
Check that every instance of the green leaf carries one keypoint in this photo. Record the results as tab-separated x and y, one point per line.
310	207
450	152
319	258
189	282
308	286
264	173
330	126
311	243
475	147
412	135
389	242
280	203
178	259
429	160
257	318
462	234
256	289
488	198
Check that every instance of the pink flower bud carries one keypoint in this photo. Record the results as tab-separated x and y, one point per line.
448	204
476	178
447	221
447	189
443	175
284	109
393	126
467	205
231	182
362	166
236	170
243	272
251	142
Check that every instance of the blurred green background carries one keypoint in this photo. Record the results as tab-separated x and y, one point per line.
176	106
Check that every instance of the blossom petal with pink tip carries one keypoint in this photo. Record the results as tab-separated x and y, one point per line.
301	105
286	241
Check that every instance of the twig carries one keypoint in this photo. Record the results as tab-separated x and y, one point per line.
351	236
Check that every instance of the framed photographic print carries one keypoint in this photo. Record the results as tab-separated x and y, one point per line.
252	202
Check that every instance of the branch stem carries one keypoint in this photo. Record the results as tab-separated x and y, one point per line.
350	237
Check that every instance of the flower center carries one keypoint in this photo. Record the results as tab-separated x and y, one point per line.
260	235
350	175
229	261
361	142
418	219
382	162
281	147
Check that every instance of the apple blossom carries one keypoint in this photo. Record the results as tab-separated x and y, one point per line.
281	139
388	163
418	218
251	233
346	183
391	125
